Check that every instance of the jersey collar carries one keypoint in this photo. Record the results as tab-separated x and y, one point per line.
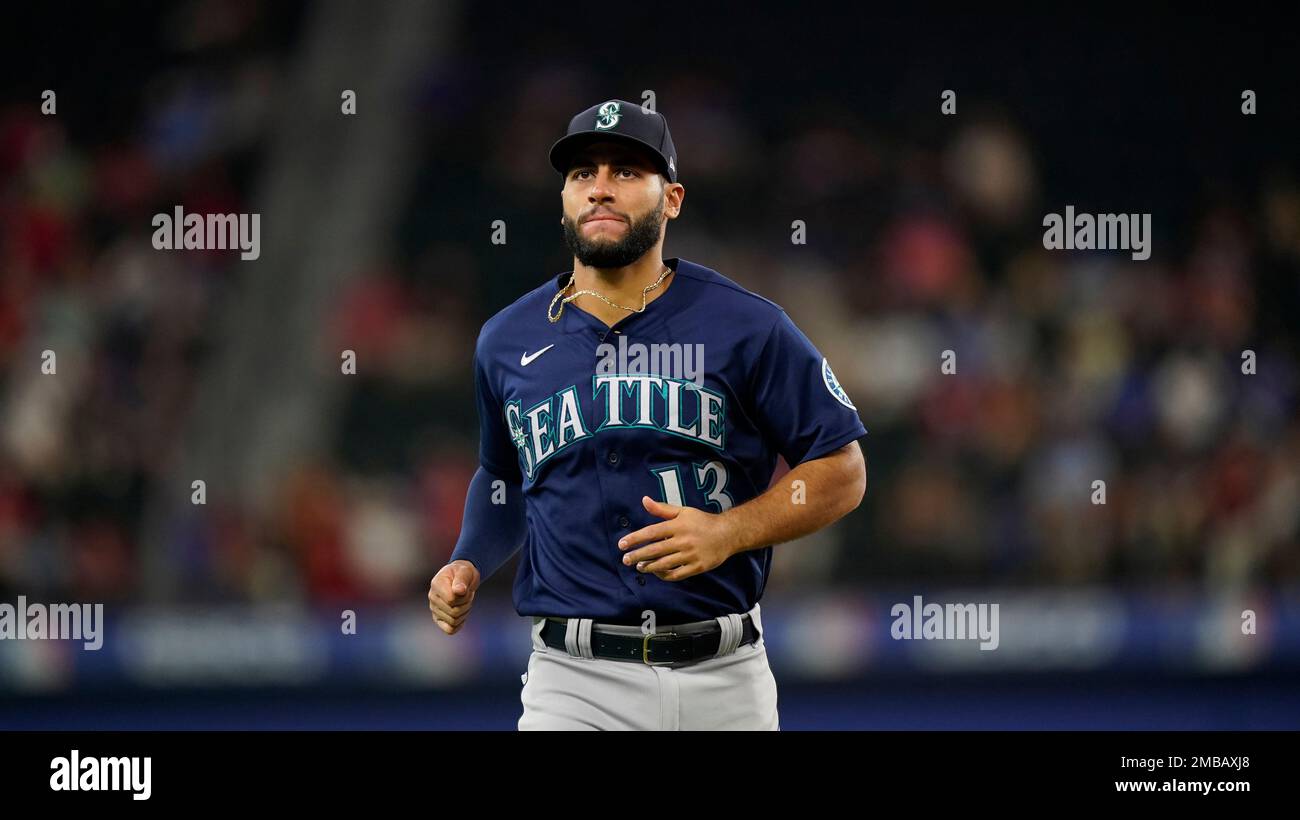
575	318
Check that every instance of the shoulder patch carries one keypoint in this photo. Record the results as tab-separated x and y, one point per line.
833	385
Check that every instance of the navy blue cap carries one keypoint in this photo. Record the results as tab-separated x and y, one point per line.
619	121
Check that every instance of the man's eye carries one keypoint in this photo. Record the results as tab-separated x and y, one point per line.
577	174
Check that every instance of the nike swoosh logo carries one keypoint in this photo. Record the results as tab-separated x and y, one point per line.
526	359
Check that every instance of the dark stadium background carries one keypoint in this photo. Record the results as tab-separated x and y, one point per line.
328	492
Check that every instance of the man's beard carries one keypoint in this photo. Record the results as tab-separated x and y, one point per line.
640	236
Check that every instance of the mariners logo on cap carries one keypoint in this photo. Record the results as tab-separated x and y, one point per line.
833	385
609	116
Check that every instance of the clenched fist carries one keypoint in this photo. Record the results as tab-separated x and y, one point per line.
451	594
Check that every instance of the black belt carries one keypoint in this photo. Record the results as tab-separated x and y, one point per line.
654	649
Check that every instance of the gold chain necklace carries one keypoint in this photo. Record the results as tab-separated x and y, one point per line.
576	294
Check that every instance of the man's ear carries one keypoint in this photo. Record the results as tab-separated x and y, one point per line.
679	202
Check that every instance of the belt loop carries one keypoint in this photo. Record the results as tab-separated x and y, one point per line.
538	643
584	638
756	616
732	629
577	638
571	637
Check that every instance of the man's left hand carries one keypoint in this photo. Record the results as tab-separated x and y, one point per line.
687	542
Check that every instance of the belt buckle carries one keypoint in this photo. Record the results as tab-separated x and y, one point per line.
645	648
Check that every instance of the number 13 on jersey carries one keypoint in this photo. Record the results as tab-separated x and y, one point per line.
710	478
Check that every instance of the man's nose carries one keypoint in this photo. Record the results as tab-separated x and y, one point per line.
602	187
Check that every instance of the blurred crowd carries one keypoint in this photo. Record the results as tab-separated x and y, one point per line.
102	337
1171	381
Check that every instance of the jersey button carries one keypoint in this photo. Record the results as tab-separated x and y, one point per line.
612	457
623	522
640	579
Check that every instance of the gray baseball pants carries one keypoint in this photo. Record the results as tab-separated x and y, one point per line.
571	690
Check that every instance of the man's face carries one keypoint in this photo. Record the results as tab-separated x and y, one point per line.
613	205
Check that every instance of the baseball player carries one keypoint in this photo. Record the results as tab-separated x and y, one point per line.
631	414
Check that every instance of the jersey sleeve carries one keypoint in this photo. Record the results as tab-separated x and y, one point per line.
496	451
798	402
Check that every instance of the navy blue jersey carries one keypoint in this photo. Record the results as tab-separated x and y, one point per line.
588	432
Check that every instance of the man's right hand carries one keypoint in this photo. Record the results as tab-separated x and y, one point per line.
451	594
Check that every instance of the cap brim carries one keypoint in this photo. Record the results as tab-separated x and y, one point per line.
563	150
